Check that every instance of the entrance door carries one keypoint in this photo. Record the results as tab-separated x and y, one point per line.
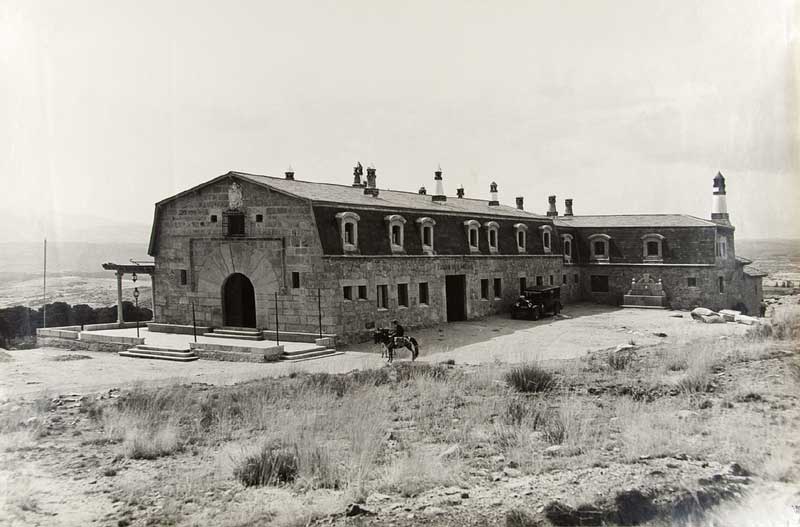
456	291
238	302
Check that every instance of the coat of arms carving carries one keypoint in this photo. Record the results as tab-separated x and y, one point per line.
235	196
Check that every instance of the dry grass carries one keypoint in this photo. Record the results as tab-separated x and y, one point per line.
530	378
417	471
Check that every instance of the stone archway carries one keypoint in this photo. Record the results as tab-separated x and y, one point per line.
238	302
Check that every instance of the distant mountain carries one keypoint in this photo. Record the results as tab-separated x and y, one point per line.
72	228
18	259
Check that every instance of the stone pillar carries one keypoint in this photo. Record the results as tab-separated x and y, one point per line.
153	293
120	319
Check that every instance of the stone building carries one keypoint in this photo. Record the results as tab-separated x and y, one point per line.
257	251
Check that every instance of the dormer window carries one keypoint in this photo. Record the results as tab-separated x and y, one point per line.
426	234
547	238
567	244
396	225
492	229
348	229
598	245
652	248
522	235
471	227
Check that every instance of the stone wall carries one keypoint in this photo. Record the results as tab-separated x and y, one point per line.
355	318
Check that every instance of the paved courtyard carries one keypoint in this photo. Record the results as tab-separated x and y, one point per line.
585	327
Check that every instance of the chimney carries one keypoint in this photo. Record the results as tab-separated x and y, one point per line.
719	201
552	210
371	189
358	171
289	173
568	207
439	195
520	205
493	195
460	192
422	191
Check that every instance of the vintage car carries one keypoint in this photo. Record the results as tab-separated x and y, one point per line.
537	301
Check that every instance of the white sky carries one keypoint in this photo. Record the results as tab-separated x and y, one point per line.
627	106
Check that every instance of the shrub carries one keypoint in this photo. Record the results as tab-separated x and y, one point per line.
142	443
521	518
274	464
619	360
697	381
530	378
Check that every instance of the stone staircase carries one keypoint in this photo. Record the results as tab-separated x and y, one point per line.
317	352
236	333
143	351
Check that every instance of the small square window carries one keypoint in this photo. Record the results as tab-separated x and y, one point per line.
498	288
347	291
402	295
539	280
362	292
423	293
259	218
184	278
213	218
485	289
295	280
383	296
691	281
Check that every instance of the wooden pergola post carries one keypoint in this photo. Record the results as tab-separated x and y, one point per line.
120	317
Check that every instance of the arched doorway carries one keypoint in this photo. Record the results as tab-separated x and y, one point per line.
238	301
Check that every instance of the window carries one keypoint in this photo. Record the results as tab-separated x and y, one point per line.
552	282
402	295
348	228
522	284
362	292
547	238
721	284
383	296
492	229
691	281
213	218
426	234
652	247
567	245
722	247
183	277
423	293
348	292
484	289
259	218
471	228
599	247
522	236
295	280
563	279
235	224
539	280
599	284
498	288
396	226
576	279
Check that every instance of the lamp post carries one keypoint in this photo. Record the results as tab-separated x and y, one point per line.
136	299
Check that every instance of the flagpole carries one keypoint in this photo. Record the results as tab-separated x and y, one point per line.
44	287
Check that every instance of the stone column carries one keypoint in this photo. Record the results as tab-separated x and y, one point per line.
153	293
120	319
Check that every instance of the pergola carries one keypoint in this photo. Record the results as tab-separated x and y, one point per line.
138	268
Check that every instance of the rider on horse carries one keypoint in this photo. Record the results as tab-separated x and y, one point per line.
398	333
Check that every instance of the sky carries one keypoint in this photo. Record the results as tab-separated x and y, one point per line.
626	106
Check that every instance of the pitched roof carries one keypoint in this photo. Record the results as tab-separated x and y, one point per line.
633	220
388	199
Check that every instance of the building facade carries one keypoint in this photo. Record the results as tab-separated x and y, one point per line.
257	251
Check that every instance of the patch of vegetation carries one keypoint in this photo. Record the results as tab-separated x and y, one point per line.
274	464
619	360
5	357
530	378
69	357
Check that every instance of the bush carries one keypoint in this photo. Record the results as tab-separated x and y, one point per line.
530	378
274	464
619	360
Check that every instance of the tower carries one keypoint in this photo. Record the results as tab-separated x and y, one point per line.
719	204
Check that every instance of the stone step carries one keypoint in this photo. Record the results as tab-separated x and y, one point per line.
319	354
149	347
233	335
177	356
303	351
237	331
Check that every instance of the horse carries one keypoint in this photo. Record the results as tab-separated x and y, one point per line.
384	336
